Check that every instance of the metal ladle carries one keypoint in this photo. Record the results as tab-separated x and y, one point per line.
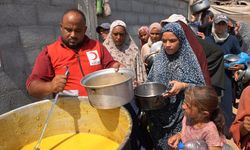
48	116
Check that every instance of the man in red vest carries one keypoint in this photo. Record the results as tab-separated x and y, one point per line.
73	50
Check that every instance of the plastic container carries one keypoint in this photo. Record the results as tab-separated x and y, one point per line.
193	145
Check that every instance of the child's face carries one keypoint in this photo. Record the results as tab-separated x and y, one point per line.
190	110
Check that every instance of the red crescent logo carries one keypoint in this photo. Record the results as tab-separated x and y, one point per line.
93	54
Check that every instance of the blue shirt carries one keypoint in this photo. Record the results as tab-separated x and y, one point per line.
230	46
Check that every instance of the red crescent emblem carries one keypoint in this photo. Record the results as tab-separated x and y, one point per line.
93	54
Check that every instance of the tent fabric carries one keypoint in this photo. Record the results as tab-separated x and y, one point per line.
236	12
232	9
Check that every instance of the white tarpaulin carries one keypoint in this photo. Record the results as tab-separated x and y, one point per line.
236	12
232	9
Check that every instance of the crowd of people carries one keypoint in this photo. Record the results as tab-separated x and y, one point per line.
188	60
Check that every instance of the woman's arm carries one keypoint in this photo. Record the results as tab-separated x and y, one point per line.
214	148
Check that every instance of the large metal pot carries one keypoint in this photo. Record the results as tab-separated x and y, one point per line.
148	96
24	125
200	5
109	89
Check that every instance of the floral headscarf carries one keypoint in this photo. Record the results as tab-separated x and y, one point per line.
143	28
155	25
182	66
128	54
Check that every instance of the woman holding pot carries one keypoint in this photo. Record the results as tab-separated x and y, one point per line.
177	67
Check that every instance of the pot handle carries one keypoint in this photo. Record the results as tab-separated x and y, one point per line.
168	89
162	94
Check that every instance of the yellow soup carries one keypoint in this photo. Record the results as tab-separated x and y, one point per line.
80	141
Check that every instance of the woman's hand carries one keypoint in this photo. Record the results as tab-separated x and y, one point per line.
136	83
177	86
236	67
201	35
174	140
118	65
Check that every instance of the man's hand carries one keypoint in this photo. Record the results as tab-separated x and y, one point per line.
58	83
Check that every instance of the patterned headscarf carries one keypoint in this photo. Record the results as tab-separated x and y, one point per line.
182	66
128	54
155	25
143	28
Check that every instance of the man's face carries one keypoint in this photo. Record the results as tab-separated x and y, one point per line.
220	28
73	30
118	35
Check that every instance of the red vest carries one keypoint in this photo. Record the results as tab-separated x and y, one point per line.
89	56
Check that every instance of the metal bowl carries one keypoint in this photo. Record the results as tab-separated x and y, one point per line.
231	58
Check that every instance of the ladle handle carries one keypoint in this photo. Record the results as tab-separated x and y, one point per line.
46	123
49	114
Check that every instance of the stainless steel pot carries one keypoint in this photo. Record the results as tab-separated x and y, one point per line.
149	60
23	125
148	96
200	5
244	75
108	89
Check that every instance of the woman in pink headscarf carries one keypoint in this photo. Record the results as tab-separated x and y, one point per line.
143	34
154	36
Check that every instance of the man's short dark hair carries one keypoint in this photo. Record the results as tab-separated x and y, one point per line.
75	11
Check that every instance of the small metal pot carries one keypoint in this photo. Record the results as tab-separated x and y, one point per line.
108	89
149	60
200	5
148	96
244	75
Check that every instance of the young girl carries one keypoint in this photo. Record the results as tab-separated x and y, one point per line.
202	120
